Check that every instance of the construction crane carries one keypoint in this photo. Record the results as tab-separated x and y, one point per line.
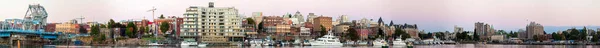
156	24
80	19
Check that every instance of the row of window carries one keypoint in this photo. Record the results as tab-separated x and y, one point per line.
217	34
212	30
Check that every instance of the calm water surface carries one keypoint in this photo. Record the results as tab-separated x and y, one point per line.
416	46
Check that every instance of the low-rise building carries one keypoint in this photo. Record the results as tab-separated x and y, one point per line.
67	28
497	37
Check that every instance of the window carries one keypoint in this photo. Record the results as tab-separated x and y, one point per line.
221	20
203	16
221	23
220	16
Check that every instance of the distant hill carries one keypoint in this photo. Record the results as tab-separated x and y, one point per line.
551	29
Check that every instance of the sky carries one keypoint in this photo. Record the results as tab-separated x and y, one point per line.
429	15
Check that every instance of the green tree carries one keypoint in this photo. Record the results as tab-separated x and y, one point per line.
95	30
577	35
380	33
400	33
512	34
583	35
595	37
260	27
164	27
459	36
475	36
102	26
111	23
131	30
250	21
161	16
555	36
323	31
352	34
501	32
440	35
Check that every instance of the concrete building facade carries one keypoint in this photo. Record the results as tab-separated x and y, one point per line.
214	25
322	21
534	29
67	28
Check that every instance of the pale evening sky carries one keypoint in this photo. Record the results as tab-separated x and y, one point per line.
430	15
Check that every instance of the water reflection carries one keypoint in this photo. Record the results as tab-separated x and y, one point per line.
505	46
416	46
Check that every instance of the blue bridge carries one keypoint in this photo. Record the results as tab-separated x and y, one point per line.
40	33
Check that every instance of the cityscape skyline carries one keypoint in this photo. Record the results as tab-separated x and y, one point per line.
432	16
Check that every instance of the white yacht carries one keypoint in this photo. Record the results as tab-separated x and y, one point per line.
379	42
399	42
256	42
327	40
202	44
155	44
189	43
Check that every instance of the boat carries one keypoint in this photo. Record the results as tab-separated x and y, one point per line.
188	43
256	42
297	42
379	42
327	40
306	43
202	44
155	44
268	43
399	42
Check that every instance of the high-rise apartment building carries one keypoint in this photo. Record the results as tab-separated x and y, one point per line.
299	16
458	29
311	17
534	29
485	31
343	18
213	25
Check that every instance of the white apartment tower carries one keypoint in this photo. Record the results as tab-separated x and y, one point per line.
311	17
343	18
213	25
299	16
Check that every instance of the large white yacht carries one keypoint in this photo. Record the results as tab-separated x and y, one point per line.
379	42
327	40
399	42
189	43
